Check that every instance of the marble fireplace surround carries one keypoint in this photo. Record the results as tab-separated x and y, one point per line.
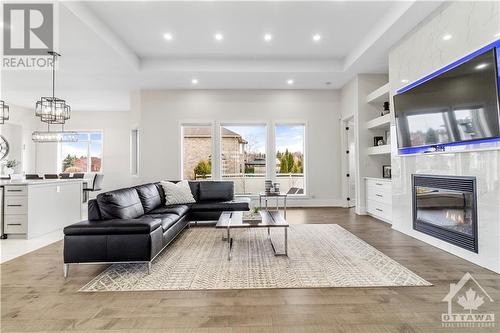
423	51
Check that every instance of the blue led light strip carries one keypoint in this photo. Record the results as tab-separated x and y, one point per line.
428	149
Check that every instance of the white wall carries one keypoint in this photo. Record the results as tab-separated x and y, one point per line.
17	130
163	111
116	146
472	25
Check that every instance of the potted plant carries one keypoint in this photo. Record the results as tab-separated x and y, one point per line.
252	216
10	165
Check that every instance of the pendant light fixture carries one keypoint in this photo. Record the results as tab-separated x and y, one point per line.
53	110
4	112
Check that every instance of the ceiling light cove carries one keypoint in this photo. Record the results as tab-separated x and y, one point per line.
168	36
194	81
316	37
290	82
447	37
218	37
268	37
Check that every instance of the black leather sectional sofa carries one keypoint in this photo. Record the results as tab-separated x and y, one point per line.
134	225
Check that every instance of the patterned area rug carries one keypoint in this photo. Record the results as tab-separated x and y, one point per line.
321	255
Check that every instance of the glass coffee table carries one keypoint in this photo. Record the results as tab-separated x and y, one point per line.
270	219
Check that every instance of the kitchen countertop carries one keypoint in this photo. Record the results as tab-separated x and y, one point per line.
8	182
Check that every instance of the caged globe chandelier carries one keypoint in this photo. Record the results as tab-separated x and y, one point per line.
52	111
4	112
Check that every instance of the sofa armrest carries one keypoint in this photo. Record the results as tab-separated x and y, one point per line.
143	225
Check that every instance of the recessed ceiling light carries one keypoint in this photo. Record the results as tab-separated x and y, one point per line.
481	66
218	37
168	36
194	81
447	37
268	37
404	81
316	37
289	82
497	35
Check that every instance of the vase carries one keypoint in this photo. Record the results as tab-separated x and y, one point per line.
9	171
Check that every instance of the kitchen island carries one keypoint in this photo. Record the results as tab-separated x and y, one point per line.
32	208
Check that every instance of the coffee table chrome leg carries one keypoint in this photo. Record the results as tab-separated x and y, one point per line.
286	240
229	243
276	253
284	204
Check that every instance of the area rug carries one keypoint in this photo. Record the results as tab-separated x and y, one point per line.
319	256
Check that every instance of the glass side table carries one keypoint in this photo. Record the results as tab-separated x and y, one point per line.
277	196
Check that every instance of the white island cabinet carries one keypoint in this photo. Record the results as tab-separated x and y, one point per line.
33	208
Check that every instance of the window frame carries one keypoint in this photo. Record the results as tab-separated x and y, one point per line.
266	125
181	126
305	154
270	149
89	142
135	154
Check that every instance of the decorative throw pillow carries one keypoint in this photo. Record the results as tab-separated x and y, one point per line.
177	194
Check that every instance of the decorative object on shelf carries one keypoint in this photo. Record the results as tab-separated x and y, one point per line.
386	109
10	165
378	141
277	188
4	147
387	136
386	171
53	110
268	186
4	112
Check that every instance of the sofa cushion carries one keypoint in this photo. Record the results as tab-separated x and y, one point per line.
180	210
150	197
195	189
93	211
167	220
216	191
120	204
177	193
233	205
143	225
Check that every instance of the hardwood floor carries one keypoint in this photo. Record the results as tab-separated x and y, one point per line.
35	296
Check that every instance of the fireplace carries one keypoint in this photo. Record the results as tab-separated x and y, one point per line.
445	207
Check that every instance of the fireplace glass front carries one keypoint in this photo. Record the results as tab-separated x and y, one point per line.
445	207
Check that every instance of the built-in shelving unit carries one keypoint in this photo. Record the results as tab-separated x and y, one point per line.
379	150
379	95
376	195
383	122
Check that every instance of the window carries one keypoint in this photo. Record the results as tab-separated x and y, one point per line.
82	156
134	152
243	157
290	151
196	152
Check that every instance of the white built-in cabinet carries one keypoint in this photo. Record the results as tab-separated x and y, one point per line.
379	198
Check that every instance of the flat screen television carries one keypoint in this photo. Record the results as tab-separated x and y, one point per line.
458	105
